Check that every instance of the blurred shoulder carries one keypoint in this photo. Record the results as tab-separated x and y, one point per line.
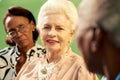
80	66
77	58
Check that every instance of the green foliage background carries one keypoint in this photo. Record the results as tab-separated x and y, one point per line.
33	6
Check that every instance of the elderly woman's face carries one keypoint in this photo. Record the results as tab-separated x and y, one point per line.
55	32
19	29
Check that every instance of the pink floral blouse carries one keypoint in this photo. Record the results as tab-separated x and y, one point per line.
68	67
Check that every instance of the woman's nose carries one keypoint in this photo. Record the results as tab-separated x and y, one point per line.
19	34
52	33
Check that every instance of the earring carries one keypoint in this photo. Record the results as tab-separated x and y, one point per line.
68	42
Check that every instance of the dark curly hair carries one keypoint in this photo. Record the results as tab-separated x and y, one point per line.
19	11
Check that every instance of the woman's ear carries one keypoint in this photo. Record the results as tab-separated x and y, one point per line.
32	25
72	32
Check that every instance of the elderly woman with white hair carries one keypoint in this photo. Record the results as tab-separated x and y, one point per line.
56	24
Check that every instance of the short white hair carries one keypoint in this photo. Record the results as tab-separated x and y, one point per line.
64	7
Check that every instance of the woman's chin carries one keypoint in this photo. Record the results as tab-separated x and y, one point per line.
52	48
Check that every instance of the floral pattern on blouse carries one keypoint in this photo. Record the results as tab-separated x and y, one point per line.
9	57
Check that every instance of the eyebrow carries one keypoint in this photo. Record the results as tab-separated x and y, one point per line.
46	24
12	29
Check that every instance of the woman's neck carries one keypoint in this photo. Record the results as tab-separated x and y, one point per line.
53	56
25	48
23	57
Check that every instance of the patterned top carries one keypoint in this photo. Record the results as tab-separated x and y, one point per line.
9	57
67	67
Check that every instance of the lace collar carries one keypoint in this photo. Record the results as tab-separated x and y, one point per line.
46	69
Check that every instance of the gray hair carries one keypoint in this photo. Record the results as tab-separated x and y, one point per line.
103	12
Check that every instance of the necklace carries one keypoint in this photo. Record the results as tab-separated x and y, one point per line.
45	70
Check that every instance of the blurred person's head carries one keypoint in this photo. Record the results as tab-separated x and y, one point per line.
56	23
98	35
19	24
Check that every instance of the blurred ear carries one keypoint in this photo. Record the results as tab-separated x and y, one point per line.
32	25
72	32
95	39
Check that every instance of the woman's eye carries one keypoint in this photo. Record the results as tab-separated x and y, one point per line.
46	27
22	27
12	33
59	28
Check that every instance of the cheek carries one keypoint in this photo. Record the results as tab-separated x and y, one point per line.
67	41
29	35
43	37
